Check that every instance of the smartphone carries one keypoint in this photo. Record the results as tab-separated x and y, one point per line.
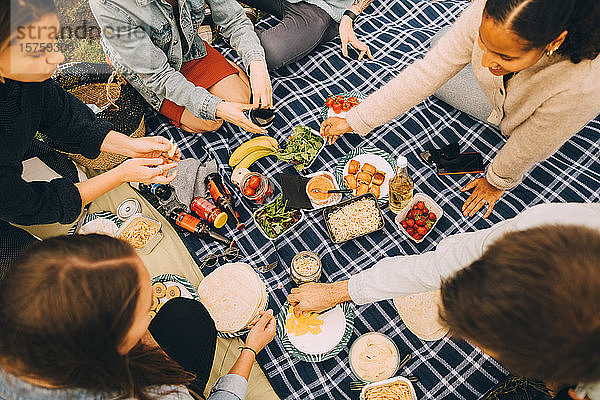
465	163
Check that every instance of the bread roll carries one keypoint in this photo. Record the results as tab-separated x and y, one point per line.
362	189
378	178
368	168
364	177
350	182
353	167
376	190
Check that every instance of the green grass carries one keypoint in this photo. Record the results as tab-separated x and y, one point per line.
73	14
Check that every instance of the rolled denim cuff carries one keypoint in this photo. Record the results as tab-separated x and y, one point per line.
253	55
206	106
232	383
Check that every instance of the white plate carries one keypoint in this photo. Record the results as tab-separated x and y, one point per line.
101	222
347	326
378	162
332	331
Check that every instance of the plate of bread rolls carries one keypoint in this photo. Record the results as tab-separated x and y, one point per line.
366	170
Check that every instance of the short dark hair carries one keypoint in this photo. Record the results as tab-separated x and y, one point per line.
533	298
539	22
16	13
65	306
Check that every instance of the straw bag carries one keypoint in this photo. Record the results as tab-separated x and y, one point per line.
103	88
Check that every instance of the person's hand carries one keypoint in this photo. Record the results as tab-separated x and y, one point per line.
483	194
333	127
146	170
234	113
151	147
318	297
348	37
262	332
260	82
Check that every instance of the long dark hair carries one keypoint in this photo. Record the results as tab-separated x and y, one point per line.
539	22
20	13
533	298
66	305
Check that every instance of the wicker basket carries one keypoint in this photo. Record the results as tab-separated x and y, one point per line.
120	103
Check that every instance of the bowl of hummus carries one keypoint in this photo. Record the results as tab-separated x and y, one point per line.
374	357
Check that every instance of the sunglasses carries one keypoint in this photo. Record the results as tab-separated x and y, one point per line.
212	259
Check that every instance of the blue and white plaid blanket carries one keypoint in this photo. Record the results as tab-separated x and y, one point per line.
398	32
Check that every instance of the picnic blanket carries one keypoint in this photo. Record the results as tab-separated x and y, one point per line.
398	32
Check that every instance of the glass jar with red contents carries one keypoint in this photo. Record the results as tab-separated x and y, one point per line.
257	188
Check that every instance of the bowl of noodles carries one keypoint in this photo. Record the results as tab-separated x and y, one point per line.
374	357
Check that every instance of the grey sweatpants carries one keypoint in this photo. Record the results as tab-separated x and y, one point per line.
302	27
463	91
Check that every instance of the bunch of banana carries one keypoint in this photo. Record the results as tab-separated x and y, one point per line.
252	150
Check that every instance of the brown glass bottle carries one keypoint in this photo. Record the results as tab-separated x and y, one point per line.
222	197
196	226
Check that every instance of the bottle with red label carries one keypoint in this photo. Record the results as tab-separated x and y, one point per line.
208	211
196	226
222	197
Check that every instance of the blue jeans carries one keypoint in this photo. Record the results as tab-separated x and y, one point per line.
302	27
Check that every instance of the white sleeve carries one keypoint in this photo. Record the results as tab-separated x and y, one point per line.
404	275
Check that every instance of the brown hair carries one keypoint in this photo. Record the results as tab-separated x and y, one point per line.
533	299
66	305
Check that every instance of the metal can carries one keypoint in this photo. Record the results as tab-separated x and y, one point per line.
306	267
127	208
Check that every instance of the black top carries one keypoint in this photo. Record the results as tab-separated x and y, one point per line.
26	108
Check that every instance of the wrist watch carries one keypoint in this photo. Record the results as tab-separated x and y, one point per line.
350	15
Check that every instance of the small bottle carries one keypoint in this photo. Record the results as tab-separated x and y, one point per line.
208	211
196	226
163	192
401	187
222	197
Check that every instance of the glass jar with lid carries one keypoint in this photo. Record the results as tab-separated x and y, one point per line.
306	267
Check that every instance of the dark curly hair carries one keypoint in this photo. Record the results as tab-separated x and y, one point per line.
539	22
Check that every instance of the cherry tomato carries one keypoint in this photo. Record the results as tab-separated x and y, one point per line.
410	222
346	106
248	191
432	216
254	182
403	223
416	236
420	205
421	230
329	102
352	100
339	98
337	108
425	211
420	222
410	231
415	207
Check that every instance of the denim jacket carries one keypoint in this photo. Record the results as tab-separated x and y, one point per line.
228	387
142	41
